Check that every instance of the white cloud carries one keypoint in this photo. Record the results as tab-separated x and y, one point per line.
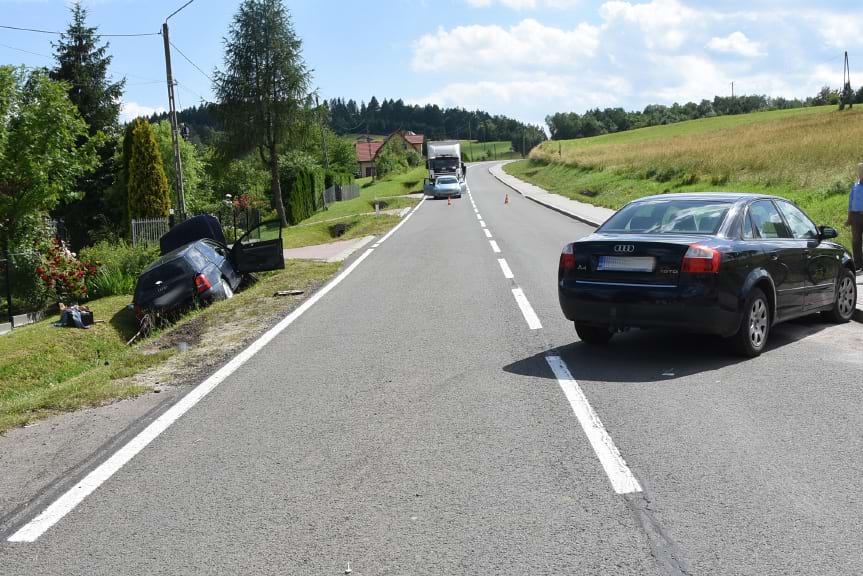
131	110
664	24
736	43
840	31
527	45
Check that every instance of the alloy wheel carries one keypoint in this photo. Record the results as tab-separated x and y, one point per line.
758	323
847	297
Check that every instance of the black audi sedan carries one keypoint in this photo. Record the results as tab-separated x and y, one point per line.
728	264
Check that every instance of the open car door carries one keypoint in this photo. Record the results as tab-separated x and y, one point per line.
260	249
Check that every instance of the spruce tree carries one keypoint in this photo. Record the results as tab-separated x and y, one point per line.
148	186
83	64
263	90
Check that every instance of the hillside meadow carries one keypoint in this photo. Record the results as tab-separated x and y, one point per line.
807	155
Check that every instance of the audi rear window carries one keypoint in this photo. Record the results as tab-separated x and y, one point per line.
669	216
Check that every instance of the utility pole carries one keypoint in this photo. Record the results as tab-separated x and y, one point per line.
172	114
732	90
371	158
523	130
324	146
847	94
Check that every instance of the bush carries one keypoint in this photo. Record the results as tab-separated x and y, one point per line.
120	264
64	275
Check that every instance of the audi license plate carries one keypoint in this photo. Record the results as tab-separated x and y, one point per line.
626	263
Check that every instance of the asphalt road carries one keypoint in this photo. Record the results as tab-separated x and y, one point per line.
409	422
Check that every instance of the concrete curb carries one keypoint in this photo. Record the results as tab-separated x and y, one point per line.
557	209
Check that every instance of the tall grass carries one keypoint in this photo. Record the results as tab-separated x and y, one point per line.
815	152
806	155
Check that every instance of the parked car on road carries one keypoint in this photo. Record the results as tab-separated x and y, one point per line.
197	265
717	263
446	186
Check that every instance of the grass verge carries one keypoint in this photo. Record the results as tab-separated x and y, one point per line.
46	370
350	228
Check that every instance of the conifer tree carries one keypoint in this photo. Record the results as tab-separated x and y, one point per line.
148	186
83	63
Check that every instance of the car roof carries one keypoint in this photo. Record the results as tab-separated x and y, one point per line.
720	196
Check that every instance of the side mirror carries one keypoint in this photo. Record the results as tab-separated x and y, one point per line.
827	233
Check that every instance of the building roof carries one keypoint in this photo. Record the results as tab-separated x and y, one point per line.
367	151
413	138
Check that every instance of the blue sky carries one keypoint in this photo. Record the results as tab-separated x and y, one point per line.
523	58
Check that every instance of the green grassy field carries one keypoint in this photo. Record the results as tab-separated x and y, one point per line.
807	155
473	151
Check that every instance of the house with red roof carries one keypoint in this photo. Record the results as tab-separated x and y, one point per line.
367	150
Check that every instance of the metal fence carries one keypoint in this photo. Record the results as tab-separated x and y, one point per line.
341	192
149	230
235	223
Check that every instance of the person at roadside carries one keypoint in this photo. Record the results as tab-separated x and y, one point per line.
71	315
855	219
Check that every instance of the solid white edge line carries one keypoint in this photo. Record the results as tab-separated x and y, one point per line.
494	247
481	223
487	232
507	271
31	531
400	224
526	309
621	477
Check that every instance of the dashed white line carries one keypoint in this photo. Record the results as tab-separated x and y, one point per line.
478	216
621	477
487	232
526	309
494	247
507	272
481	223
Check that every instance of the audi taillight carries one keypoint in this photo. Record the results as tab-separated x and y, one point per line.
202	284
567	258
701	260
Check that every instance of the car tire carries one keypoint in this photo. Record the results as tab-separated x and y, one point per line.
751	338
593	335
227	291
846	298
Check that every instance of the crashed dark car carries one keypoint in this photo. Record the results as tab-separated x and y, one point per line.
198	266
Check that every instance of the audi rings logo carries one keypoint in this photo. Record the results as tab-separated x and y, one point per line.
624	248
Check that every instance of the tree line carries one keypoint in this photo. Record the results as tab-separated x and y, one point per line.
570	125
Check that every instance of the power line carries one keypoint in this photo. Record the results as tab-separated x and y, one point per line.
174	46
80	34
190	91
25	51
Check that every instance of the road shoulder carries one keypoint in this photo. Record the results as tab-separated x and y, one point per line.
587	213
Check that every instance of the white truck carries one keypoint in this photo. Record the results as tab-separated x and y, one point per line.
444	159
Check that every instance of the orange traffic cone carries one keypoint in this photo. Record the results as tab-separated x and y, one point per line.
506	199
449	200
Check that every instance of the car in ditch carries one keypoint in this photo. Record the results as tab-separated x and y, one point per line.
198	266
728	264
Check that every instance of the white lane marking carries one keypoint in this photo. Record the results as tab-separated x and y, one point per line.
494	247
526	309
475	211
402	223
487	232
507	272
478	217
621	477
481	223
31	531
